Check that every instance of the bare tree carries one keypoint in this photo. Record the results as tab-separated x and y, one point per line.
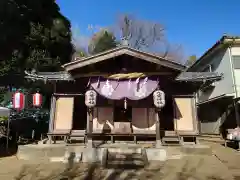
148	36
173	52
139	33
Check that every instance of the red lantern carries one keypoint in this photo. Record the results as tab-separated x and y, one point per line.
18	100
37	99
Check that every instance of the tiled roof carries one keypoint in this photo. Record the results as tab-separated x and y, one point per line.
198	76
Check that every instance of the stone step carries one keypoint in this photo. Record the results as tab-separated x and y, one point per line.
124	150
125	163
126	158
134	156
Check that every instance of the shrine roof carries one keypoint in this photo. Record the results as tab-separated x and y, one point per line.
65	76
123	50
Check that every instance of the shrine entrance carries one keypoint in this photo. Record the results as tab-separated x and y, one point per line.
122	115
79	114
167	115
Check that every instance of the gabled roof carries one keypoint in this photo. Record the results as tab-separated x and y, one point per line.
227	40
123	50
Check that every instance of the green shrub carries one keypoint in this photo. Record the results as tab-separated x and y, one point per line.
3	118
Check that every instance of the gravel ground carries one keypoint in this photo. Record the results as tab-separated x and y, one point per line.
223	164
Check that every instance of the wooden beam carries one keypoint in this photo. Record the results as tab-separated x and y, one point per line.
52	117
158	136
90	127
65	94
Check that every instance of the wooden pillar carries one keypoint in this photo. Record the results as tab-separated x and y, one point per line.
237	113
52	110
52	113
158	136
89	128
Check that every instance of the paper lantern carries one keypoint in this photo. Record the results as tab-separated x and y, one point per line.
37	99
18	100
90	98
159	98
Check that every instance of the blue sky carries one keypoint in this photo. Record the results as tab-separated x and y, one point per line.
195	24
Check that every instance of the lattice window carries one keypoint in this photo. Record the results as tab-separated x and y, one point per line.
236	62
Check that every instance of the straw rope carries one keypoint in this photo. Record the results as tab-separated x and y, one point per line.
126	76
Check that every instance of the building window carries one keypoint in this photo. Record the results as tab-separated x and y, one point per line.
236	62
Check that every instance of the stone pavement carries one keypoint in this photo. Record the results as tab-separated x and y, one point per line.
228	156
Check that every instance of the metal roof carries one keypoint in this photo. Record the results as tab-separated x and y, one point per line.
199	76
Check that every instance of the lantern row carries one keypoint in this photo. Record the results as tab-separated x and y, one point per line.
90	99
19	100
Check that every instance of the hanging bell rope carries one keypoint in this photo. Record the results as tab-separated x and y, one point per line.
125	103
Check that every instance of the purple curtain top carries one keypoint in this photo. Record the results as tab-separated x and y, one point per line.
133	89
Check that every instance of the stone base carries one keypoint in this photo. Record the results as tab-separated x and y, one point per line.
40	152
156	154
76	153
92	155
196	149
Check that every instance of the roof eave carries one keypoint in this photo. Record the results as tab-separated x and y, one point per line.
47	77
200	79
120	51
199	76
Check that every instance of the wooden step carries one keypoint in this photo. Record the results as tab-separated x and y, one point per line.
171	140
170	133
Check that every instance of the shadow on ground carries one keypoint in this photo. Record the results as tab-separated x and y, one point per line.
73	171
7	151
233	145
